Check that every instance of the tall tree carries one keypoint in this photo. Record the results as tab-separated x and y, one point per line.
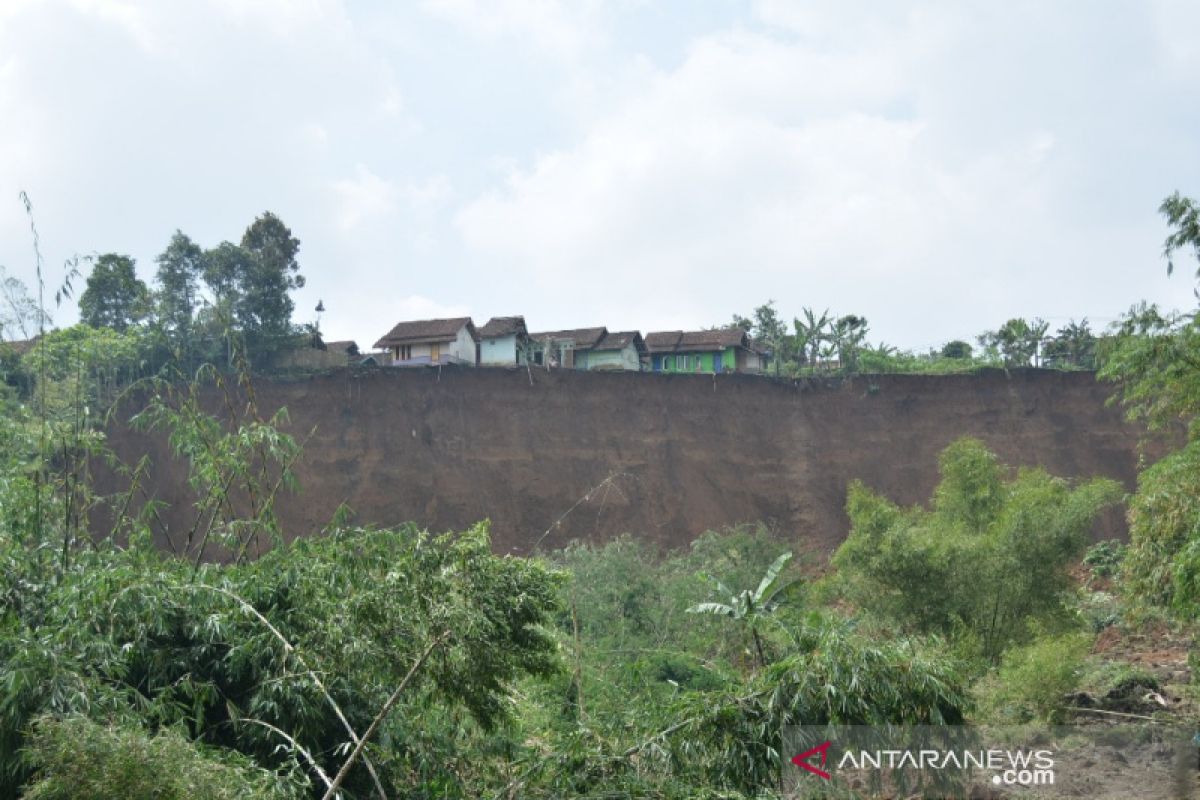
265	307
180	267
115	297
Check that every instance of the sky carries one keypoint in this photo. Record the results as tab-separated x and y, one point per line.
937	167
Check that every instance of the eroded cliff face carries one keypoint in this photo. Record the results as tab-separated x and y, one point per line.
553	456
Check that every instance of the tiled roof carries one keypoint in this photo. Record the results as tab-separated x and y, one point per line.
426	330
619	340
583	338
503	326
695	341
348	346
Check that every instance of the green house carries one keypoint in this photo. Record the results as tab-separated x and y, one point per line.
724	350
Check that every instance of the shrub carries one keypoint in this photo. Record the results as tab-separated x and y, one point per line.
77	759
988	557
1033	681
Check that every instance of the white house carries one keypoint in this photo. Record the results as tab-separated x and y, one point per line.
503	342
431	341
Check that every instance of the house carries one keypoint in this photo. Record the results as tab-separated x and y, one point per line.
347	349
723	350
589	348
621	350
431	341
565	348
503	342
318	354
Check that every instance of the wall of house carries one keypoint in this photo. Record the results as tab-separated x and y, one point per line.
661	456
498	352
625	358
673	362
463	347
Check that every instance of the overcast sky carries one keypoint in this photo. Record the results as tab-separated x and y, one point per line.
938	167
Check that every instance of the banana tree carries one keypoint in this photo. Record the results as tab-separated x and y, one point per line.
752	608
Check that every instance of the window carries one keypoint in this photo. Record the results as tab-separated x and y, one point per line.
404	352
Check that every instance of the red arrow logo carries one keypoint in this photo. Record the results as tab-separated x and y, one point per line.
801	760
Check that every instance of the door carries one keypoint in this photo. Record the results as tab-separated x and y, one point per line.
435	352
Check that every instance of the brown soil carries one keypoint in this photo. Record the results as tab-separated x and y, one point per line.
555	456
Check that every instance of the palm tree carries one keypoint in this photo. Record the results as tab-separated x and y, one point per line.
752	608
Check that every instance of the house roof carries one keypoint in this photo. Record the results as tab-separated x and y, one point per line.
503	326
619	340
426	330
695	341
20	346
583	338
348	346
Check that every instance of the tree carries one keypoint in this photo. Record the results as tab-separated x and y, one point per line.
1073	344
812	333
1018	341
991	554
956	349
848	335
115	297
265	307
752	608
19	312
1183	213
251	284
1155	359
180	268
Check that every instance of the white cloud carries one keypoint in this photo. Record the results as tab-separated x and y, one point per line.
824	169
362	197
561	29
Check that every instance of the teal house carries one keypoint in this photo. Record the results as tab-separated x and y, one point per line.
715	351
590	349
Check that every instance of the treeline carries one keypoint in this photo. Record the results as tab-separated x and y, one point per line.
826	343
210	305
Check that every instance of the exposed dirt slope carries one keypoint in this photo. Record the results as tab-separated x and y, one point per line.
689	452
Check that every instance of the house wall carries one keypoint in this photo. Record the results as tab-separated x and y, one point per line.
626	358
463	348
501	351
459	351
672	362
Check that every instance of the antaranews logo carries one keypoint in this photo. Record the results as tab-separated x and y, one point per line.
802	759
1022	767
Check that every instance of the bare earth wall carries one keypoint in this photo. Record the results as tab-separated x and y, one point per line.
685	453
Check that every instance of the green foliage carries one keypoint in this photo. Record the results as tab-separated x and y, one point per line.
20	315
752	608
990	556
956	349
77	759
732	740
1160	567
1104	558
1183	214
1018	341
1033	681
115	297
1155	360
180	267
1073	345
130	633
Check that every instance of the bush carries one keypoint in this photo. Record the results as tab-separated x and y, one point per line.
77	759
1160	567
1033	681
1104	558
990	556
